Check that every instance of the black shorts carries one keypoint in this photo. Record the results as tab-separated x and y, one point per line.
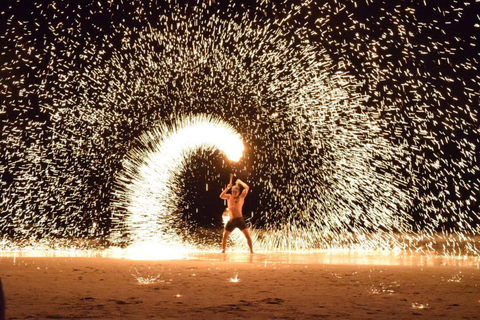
235	223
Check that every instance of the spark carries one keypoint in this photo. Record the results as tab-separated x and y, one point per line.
235	277
148	279
417	305
456	278
382	288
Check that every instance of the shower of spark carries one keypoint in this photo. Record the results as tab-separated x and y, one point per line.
360	122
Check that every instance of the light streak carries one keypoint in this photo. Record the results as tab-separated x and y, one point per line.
149	184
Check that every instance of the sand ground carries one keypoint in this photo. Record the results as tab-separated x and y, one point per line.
267	288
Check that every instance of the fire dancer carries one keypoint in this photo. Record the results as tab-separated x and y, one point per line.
235	202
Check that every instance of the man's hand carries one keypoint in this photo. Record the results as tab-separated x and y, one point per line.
224	194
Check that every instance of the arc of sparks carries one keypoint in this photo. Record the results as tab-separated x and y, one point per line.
149	183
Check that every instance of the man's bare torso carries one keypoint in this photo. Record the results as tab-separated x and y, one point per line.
235	206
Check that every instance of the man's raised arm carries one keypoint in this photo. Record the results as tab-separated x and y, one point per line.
224	194
245	187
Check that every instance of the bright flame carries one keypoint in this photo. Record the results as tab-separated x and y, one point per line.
234	150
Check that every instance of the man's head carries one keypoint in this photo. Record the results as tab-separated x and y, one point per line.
235	190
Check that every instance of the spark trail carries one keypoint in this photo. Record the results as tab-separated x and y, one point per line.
149	186
361	119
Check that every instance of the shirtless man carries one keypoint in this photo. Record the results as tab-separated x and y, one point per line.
235	203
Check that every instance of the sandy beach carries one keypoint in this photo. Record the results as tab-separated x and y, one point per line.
238	286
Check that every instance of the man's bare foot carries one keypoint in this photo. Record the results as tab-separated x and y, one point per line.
223	251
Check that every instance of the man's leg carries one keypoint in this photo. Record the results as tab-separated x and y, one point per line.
249	239
226	234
